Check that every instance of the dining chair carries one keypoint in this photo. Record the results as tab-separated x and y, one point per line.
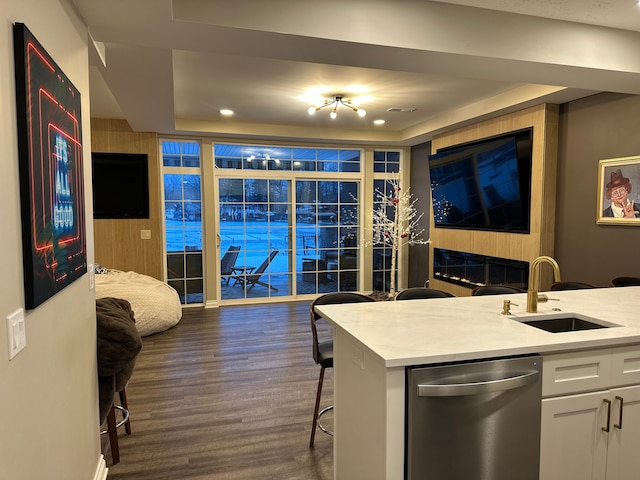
415	293
495	290
625	282
323	350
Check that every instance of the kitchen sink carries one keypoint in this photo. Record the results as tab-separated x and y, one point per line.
564	322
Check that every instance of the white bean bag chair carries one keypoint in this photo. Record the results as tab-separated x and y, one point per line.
156	306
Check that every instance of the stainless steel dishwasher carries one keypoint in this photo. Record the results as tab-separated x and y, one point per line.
474	421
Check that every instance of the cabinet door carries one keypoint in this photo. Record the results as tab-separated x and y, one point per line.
623	458
572	443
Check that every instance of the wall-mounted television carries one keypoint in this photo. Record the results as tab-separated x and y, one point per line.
120	185
484	185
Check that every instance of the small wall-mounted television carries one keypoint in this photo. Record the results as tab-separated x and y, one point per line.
120	185
485	184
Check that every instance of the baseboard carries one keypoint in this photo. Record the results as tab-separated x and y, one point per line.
101	470
211	304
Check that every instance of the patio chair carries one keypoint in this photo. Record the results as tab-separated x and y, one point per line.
253	278
228	261
308	243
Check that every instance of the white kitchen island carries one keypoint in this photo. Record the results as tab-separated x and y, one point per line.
374	342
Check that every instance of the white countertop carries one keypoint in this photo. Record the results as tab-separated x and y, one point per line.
415	332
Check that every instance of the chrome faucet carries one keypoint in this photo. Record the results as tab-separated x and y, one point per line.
532	293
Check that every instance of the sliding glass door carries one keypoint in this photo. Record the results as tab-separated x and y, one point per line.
253	216
327	235
318	246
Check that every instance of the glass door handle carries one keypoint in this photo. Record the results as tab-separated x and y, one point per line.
476	388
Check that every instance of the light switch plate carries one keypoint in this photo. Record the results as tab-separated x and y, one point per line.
145	234
16	333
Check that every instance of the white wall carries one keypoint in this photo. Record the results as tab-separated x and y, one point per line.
48	392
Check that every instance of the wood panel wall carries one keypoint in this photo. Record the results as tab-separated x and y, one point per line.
525	247
117	242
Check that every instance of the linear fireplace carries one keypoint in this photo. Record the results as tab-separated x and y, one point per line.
472	270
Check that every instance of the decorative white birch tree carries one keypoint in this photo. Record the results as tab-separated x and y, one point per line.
395	222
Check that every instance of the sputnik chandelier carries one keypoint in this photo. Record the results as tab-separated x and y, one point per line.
335	102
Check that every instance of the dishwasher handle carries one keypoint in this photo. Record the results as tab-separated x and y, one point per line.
477	388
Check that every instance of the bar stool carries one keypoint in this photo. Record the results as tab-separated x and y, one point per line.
625	282
495	290
118	345
415	293
556	286
323	351
112	426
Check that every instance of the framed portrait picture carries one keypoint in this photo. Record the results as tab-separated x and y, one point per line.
51	175
619	191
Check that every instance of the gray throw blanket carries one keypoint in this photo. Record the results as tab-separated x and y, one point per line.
118	346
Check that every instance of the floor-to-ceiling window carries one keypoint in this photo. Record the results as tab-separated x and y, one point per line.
386	164
289	221
183	219
295	216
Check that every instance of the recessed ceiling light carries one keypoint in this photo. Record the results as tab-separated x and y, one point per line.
226	111
379	122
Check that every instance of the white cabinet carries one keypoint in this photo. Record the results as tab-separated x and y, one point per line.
572	444
593	433
623	457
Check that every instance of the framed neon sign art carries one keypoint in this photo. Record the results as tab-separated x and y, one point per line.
51	178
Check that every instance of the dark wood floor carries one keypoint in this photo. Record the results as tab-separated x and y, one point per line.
228	394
